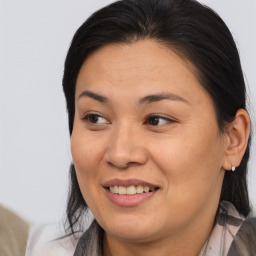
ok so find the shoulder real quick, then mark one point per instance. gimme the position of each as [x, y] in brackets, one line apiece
[50, 240]
[244, 242]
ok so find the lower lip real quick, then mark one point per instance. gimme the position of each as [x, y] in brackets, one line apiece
[129, 201]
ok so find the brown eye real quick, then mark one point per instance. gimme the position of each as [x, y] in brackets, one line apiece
[155, 120]
[95, 119]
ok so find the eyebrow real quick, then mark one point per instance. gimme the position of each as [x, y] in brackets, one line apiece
[162, 96]
[94, 96]
[147, 99]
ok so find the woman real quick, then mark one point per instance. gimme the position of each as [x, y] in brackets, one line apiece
[159, 135]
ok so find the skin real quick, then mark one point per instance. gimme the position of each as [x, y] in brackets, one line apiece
[182, 150]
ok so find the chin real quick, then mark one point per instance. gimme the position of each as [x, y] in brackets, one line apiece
[131, 230]
[132, 235]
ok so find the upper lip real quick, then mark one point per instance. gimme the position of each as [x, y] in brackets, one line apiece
[129, 182]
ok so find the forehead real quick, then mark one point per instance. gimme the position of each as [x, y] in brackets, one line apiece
[140, 68]
[143, 55]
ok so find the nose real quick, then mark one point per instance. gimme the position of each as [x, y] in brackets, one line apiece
[125, 149]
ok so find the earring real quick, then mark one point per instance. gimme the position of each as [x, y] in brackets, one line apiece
[233, 168]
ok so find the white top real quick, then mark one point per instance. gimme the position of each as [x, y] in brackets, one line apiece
[46, 240]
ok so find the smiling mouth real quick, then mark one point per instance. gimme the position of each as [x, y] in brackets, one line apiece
[131, 190]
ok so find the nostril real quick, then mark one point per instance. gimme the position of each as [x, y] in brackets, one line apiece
[123, 165]
[118, 165]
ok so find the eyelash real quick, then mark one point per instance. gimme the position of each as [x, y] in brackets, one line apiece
[166, 120]
[149, 120]
[87, 117]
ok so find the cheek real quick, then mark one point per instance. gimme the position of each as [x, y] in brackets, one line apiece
[191, 159]
[87, 153]
[86, 149]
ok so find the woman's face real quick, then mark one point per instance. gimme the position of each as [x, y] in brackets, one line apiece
[146, 145]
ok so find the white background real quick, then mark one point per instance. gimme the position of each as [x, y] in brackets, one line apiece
[34, 140]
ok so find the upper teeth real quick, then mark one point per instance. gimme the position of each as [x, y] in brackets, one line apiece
[131, 190]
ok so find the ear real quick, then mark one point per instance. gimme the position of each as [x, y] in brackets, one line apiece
[237, 133]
